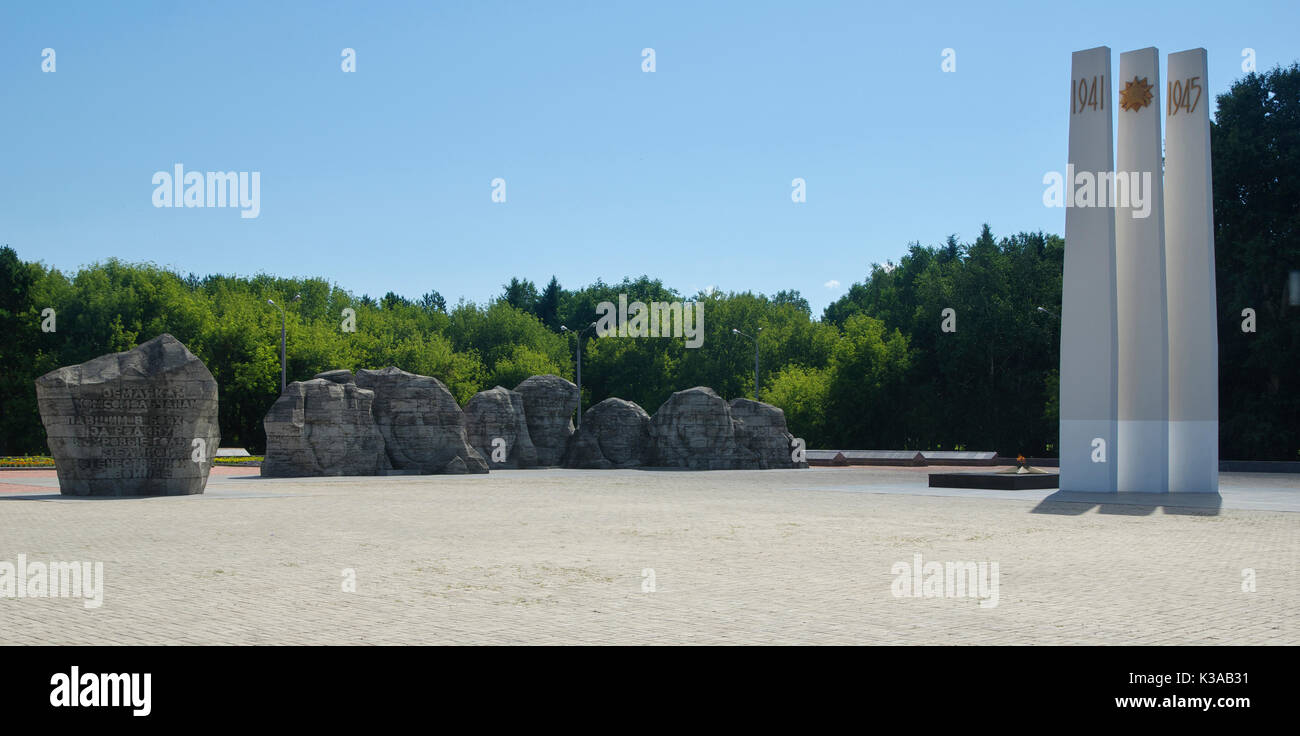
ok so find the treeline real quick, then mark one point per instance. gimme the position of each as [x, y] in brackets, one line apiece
[1255, 145]
[981, 376]
[844, 380]
[877, 370]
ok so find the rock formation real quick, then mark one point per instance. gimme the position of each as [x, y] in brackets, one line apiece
[762, 431]
[694, 429]
[391, 421]
[499, 414]
[342, 375]
[549, 403]
[614, 434]
[422, 426]
[323, 427]
[138, 423]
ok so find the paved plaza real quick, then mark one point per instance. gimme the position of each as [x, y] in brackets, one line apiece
[652, 557]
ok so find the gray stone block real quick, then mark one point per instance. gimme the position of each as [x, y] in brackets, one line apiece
[323, 427]
[549, 403]
[762, 430]
[125, 424]
[422, 426]
[614, 434]
[499, 413]
[694, 429]
[339, 376]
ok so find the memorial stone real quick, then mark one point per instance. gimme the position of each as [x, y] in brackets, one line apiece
[137, 423]
[498, 414]
[422, 426]
[614, 434]
[549, 403]
[323, 427]
[762, 430]
[694, 429]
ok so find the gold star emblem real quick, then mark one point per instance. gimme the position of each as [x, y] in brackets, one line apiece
[1135, 95]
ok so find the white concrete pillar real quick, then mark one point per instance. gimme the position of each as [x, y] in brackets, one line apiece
[1189, 240]
[1088, 329]
[1142, 430]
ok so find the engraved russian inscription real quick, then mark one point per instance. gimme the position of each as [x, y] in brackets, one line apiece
[127, 424]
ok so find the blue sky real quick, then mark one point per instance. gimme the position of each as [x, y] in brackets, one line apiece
[380, 180]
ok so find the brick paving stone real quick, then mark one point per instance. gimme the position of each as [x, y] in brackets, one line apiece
[556, 556]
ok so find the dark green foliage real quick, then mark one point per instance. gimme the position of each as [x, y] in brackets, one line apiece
[984, 386]
[1255, 144]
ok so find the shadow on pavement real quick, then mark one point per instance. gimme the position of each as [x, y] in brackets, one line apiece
[1074, 503]
[56, 495]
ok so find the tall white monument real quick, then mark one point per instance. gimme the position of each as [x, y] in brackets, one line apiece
[1088, 326]
[1142, 432]
[1189, 238]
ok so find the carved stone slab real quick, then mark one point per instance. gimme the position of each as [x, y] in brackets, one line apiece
[549, 403]
[763, 431]
[694, 429]
[614, 434]
[422, 425]
[323, 427]
[498, 414]
[126, 424]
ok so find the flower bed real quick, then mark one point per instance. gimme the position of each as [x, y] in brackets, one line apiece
[26, 463]
[40, 462]
[249, 460]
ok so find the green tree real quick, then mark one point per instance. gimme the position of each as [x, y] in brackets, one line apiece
[433, 301]
[983, 386]
[1255, 145]
[804, 395]
[548, 305]
[20, 333]
[496, 332]
[521, 294]
[867, 373]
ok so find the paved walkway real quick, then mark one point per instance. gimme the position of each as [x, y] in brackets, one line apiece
[562, 556]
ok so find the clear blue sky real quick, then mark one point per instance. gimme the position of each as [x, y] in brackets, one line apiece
[380, 180]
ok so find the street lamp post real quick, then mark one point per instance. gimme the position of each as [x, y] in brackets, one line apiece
[283, 369]
[755, 339]
[563, 328]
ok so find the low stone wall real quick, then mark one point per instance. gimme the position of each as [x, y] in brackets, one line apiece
[376, 423]
[391, 421]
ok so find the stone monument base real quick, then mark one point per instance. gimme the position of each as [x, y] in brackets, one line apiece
[995, 481]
